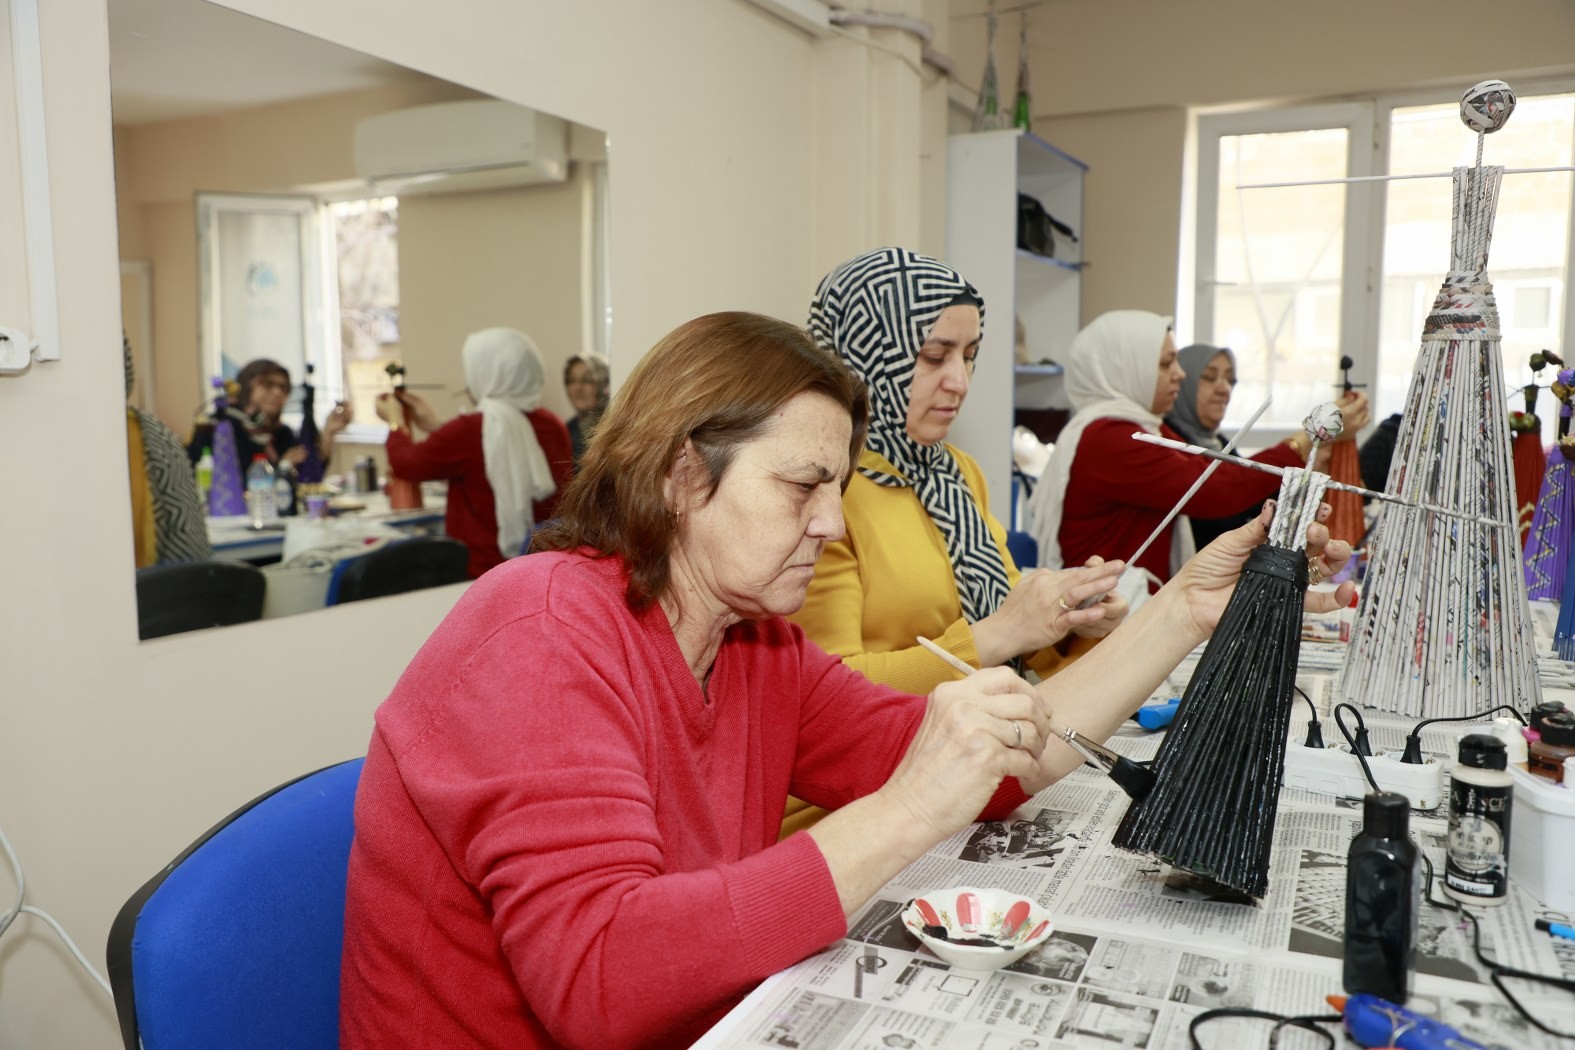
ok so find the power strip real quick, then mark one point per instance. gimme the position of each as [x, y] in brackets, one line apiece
[1336, 771]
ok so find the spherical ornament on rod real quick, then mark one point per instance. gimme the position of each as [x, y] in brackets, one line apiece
[1486, 107]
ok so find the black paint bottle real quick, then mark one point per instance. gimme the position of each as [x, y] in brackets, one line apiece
[1476, 866]
[1383, 891]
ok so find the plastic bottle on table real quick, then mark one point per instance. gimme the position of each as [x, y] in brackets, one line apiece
[284, 489]
[259, 492]
[1476, 863]
[204, 474]
[1383, 899]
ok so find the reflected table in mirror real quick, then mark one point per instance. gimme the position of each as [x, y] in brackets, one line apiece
[234, 538]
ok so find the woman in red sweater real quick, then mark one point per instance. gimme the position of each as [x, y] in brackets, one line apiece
[566, 827]
[506, 464]
[1103, 493]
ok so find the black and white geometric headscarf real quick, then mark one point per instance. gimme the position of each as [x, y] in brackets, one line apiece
[875, 312]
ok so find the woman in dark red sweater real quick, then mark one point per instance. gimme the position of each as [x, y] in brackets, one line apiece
[506, 464]
[1103, 493]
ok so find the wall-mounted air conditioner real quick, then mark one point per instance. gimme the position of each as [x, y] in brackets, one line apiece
[473, 144]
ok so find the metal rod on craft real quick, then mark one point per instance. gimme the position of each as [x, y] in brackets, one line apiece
[1253, 464]
[1387, 178]
[1230, 446]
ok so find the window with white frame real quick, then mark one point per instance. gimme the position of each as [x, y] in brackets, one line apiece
[1283, 270]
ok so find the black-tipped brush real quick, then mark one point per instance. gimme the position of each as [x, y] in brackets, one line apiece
[1130, 777]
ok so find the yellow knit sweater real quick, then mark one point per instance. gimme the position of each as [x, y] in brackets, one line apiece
[889, 580]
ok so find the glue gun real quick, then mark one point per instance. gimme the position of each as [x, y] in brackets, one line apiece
[1377, 1022]
[1157, 715]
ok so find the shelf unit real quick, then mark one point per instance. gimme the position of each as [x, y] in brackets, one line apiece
[984, 174]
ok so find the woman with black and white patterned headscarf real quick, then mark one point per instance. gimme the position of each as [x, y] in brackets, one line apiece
[923, 555]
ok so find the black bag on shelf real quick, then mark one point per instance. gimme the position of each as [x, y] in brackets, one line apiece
[1036, 227]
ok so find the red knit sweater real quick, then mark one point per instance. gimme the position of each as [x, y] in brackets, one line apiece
[1120, 489]
[561, 842]
[453, 453]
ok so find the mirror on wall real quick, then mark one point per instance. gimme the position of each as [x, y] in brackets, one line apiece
[285, 198]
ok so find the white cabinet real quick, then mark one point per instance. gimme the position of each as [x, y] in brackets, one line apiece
[984, 174]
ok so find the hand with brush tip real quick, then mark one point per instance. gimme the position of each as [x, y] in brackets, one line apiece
[1043, 608]
[1205, 583]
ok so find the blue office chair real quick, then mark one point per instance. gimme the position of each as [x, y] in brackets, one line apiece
[237, 942]
[397, 567]
[1023, 547]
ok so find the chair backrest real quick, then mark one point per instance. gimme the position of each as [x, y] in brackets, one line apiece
[188, 596]
[394, 568]
[1023, 547]
[237, 942]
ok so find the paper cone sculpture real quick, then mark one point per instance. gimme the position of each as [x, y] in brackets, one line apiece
[227, 492]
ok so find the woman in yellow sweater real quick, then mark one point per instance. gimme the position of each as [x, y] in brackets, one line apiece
[922, 554]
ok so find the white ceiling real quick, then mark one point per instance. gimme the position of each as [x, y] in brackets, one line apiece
[184, 58]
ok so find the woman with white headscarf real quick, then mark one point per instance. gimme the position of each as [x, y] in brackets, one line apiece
[1102, 493]
[506, 463]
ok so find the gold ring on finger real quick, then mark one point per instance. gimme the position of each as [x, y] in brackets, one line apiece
[1019, 727]
[1061, 601]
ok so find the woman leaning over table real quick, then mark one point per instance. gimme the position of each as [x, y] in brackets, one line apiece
[1103, 493]
[566, 825]
[922, 554]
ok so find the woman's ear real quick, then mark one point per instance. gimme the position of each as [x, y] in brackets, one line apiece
[678, 487]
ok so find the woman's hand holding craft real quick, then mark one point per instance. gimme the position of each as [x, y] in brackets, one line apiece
[1114, 605]
[1204, 585]
[975, 731]
[1357, 412]
[1042, 609]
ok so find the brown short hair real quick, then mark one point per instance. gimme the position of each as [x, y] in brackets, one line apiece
[253, 371]
[715, 381]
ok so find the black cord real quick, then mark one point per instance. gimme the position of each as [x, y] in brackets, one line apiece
[1309, 1022]
[1357, 742]
[1413, 743]
[1496, 971]
[1314, 727]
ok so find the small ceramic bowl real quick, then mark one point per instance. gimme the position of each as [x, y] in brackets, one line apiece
[977, 929]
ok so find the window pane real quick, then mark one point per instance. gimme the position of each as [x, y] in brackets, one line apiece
[1530, 236]
[366, 235]
[1278, 260]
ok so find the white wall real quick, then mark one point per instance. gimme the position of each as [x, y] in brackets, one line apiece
[114, 754]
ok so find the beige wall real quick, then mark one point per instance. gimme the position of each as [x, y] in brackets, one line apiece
[1112, 83]
[467, 260]
[113, 754]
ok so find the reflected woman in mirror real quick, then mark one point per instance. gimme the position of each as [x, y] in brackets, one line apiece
[167, 517]
[506, 463]
[264, 390]
[586, 379]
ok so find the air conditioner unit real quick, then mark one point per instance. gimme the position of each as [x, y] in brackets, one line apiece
[447, 147]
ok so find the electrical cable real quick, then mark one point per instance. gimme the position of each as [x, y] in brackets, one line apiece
[1413, 742]
[1497, 971]
[1308, 1022]
[20, 908]
[1314, 727]
[1360, 739]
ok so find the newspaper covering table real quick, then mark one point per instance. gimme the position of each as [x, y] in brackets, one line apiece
[1139, 949]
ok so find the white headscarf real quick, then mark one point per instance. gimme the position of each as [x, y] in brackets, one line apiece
[504, 373]
[1111, 372]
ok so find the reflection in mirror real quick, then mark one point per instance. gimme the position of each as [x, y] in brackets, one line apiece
[283, 198]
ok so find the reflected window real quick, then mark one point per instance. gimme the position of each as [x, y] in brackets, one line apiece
[366, 242]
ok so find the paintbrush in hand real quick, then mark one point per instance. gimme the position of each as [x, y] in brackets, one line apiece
[1130, 777]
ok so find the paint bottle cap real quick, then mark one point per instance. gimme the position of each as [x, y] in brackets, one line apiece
[1543, 710]
[1559, 730]
[1508, 730]
[1386, 814]
[1480, 751]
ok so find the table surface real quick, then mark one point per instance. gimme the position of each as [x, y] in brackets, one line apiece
[1140, 949]
[234, 539]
